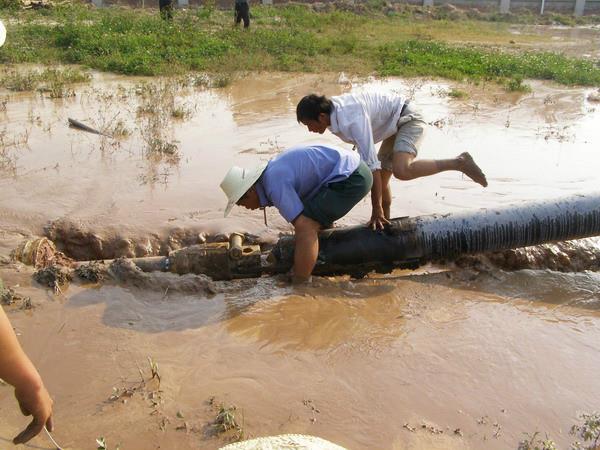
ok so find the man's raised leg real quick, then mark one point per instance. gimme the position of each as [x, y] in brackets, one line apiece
[407, 167]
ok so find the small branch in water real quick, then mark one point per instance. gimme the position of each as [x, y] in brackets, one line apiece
[81, 126]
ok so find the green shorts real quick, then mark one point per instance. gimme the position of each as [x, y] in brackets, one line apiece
[335, 200]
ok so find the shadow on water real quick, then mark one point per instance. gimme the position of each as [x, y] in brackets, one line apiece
[154, 311]
[574, 289]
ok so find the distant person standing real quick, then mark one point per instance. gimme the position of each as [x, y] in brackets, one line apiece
[242, 12]
[166, 9]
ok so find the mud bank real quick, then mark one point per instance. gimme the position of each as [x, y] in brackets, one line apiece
[569, 256]
[81, 244]
[84, 244]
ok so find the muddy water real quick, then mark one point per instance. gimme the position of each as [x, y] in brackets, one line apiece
[583, 41]
[478, 358]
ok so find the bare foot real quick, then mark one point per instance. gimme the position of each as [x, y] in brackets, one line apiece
[470, 169]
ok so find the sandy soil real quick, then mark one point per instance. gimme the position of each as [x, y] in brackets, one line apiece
[435, 359]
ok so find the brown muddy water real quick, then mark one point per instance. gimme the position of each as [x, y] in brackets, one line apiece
[579, 42]
[442, 358]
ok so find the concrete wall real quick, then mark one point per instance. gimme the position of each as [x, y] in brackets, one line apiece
[562, 6]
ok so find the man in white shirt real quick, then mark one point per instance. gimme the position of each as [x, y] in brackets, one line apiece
[363, 119]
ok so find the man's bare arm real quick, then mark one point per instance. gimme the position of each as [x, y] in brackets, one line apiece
[17, 370]
[378, 220]
[307, 247]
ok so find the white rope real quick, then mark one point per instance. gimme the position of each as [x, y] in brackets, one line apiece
[58, 447]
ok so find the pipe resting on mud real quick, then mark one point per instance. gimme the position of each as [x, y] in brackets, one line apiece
[411, 242]
[407, 242]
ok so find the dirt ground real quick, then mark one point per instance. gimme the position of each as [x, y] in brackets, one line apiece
[442, 358]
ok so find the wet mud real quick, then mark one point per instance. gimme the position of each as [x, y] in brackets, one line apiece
[465, 355]
[568, 256]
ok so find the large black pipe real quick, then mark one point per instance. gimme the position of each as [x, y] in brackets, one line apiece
[411, 242]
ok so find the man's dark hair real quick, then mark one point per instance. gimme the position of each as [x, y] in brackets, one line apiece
[311, 106]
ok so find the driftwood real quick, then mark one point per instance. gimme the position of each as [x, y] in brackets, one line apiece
[81, 126]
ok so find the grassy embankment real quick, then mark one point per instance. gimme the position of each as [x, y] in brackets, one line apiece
[286, 38]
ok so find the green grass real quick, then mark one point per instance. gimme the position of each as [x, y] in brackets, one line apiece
[516, 85]
[422, 58]
[457, 93]
[285, 38]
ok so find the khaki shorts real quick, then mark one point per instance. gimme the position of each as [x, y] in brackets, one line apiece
[411, 127]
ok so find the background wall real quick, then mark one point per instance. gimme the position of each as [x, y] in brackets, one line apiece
[562, 6]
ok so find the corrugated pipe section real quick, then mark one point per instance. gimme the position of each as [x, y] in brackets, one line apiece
[410, 242]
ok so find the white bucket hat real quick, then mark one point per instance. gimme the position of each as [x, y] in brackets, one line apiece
[2, 34]
[237, 182]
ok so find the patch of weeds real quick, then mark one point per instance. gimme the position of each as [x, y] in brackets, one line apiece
[154, 369]
[141, 389]
[157, 174]
[67, 76]
[516, 85]
[226, 421]
[15, 81]
[563, 19]
[147, 108]
[220, 81]
[8, 296]
[58, 89]
[9, 149]
[346, 44]
[14, 141]
[533, 442]
[204, 12]
[422, 58]
[156, 109]
[10, 4]
[54, 81]
[101, 442]
[200, 80]
[559, 134]
[102, 445]
[457, 93]
[272, 146]
[180, 113]
[55, 277]
[94, 272]
[121, 393]
[27, 304]
[588, 431]
[163, 149]
[119, 130]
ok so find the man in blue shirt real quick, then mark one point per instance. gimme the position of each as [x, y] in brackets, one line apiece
[311, 186]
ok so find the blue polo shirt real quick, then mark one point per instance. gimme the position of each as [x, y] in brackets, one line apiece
[297, 174]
